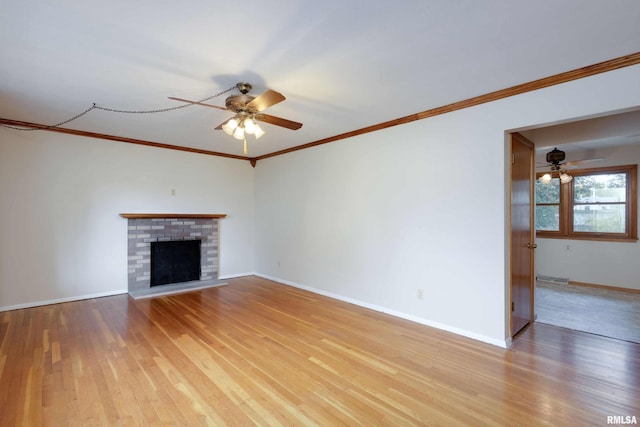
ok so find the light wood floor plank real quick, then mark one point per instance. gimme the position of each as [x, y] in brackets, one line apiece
[260, 353]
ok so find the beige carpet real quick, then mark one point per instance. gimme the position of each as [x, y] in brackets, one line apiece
[609, 313]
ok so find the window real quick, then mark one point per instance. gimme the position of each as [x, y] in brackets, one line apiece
[597, 204]
[548, 205]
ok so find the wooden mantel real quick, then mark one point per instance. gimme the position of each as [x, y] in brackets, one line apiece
[169, 215]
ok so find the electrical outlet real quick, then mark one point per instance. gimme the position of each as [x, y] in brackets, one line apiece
[567, 248]
[173, 191]
[420, 294]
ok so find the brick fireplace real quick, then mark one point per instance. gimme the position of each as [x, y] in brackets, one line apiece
[143, 229]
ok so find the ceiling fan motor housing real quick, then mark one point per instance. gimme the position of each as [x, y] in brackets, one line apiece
[555, 156]
[239, 103]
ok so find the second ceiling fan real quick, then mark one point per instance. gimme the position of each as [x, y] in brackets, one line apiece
[555, 161]
[248, 112]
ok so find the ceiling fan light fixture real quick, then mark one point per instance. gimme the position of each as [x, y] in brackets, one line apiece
[249, 126]
[258, 132]
[565, 178]
[230, 126]
[238, 133]
[546, 178]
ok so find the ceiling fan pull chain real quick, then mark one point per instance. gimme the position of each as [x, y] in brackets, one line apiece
[115, 110]
[77, 116]
[161, 110]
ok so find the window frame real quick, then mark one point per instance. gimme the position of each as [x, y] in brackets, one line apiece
[566, 207]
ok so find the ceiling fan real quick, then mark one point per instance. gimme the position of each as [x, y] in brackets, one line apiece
[555, 161]
[248, 111]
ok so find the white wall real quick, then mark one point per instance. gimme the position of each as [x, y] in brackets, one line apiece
[370, 219]
[61, 236]
[373, 218]
[602, 263]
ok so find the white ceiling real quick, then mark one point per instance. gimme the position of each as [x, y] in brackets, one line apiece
[588, 140]
[343, 65]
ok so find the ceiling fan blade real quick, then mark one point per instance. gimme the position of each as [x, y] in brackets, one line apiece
[580, 162]
[278, 121]
[266, 100]
[219, 127]
[198, 103]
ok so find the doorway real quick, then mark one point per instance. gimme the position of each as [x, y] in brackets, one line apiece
[586, 267]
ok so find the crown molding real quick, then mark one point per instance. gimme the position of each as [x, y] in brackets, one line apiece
[591, 70]
[169, 215]
[29, 125]
[579, 73]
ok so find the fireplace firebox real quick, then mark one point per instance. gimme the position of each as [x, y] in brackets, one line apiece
[175, 261]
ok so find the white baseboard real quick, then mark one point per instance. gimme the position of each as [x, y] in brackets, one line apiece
[60, 300]
[233, 276]
[97, 295]
[410, 317]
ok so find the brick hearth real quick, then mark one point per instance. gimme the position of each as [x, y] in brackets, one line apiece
[144, 229]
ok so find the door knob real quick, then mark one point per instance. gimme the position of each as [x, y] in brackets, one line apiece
[531, 245]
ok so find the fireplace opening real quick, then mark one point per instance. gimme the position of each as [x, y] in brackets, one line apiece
[175, 261]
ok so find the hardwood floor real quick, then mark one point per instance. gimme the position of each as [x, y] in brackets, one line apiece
[260, 353]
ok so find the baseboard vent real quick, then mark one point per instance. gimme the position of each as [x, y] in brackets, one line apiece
[556, 280]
